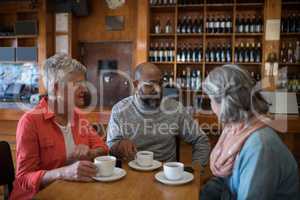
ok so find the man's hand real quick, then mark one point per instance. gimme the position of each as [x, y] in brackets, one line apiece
[124, 149]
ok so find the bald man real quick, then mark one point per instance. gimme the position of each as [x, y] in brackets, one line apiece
[146, 121]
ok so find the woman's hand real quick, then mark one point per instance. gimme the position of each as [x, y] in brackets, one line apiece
[79, 171]
[81, 152]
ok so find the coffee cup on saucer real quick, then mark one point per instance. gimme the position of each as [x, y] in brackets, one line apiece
[105, 165]
[173, 170]
[144, 158]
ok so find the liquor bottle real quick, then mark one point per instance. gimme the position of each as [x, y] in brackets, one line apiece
[247, 53]
[259, 25]
[298, 23]
[223, 53]
[198, 80]
[258, 54]
[168, 27]
[157, 27]
[189, 53]
[167, 56]
[228, 53]
[236, 53]
[183, 79]
[165, 79]
[171, 80]
[210, 24]
[179, 53]
[216, 25]
[252, 27]
[179, 25]
[252, 53]
[290, 53]
[188, 78]
[241, 53]
[212, 55]
[293, 23]
[195, 26]
[172, 52]
[228, 25]
[207, 53]
[239, 26]
[161, 53]
[151, 51]
[283, 53]
[247, 25]
[184, 25]
[222, 28]
[218, 53]
[155, 53]
[297, 52]
[184, 53]
[189, 25]
[200, 25]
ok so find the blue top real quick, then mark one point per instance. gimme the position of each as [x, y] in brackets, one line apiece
[265, 169]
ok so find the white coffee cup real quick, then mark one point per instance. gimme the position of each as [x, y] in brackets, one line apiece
[173, 170]
[105, 165]
[144, 158]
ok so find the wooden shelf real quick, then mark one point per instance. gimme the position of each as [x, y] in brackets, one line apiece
[217, 63]
[220, 5]
[189, 34]
[189, 63]
[248, 34]
[163, 63]
[250, 4]
[162, 35]
[248, 63]
[190, 5]
[219, 34]
[290, 64]
[291, 3]
[18, 36]
[290, 34]
[17, 62]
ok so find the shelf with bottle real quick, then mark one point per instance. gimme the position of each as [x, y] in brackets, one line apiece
[219, 24]
[162, 53]
[189, 79]
[248, 54]
[189, 53]
[290, 23]
[162, 4]
[162, 26]
[218, 52]
[189, 25]
[290, 52]
[250, 24]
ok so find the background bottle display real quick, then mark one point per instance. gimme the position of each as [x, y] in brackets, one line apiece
[249, 24]
[218, 52]
[218, 24]
[188, 24]
[290, 52]
[248, 53]
[189, 79]
[161, 52]
[290, 23]
[167, 28]
[189, 53]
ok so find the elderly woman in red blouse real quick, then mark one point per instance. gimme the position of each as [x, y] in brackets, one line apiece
[53, 140]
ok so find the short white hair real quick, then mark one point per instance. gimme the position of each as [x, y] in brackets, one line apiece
[57, 67]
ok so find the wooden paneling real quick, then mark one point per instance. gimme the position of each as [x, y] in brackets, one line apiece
[142, 32]
[92, 27]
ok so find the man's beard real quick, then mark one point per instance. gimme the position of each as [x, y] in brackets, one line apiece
[151, 101]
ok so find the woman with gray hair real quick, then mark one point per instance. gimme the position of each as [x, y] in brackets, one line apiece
[54, 141]
[249, 160]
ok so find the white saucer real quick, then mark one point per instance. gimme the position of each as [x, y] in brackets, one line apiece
[156, 164]
[118, 174]
[187, 177]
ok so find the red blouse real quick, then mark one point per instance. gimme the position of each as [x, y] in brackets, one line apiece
[41, 147]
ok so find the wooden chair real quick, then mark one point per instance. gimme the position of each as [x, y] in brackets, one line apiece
[7, 172]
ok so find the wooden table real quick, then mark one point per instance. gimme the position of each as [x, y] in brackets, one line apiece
[135, 185]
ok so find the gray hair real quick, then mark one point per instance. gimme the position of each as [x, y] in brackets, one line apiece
[233, 88]
[57, 67]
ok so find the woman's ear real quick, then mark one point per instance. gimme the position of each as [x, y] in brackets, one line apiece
[135, 83]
